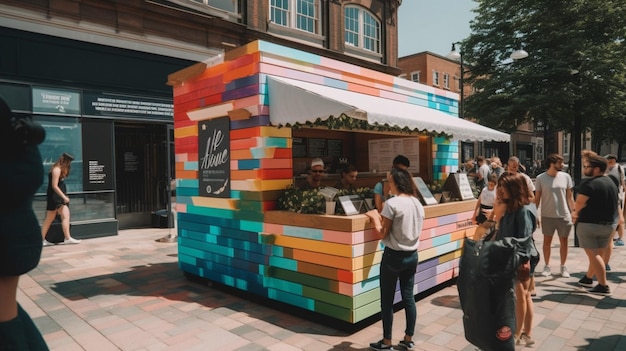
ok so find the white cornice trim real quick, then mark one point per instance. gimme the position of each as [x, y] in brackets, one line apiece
[30, 21]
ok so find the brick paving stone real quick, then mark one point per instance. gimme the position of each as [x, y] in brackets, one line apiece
[108, 292]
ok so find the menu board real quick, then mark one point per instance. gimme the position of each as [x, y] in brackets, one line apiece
[459, 187]
[335, 147]
[214, 157]
[383, 151]
[424, 194]
[298, 147]
[316, 147]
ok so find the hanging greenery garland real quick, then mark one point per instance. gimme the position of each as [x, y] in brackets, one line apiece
[347, 123]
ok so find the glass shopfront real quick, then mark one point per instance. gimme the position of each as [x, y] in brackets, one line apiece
[118, 177]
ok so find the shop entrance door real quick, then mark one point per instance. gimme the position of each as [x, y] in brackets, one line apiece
[141, 154]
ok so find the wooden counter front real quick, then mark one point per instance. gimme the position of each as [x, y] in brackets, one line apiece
[333, 261]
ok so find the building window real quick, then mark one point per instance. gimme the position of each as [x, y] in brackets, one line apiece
[435, 78]
[446, 81]
[415, 76]
[299, 14]
[226, 5]
[566, 144]
[362, 29]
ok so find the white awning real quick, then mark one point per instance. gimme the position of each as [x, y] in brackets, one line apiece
[294, 101]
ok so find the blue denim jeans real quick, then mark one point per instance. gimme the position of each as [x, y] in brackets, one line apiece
[397, 265]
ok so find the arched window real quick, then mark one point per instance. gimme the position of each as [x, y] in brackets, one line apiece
[299, 14]
[362, 29]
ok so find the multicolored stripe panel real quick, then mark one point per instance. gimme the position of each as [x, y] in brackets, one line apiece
[326, 264]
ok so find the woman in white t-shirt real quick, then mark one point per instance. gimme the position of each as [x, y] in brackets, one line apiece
[399, 225]
[486, 200]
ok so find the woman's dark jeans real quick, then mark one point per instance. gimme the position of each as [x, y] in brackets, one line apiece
[397, 265]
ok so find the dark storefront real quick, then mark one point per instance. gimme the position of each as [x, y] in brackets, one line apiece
[108, 107]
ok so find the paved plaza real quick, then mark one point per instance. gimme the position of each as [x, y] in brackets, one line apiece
[126, 293]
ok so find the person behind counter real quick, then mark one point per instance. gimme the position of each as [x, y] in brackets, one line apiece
[381, 189]
[316, 174]
[347, 178]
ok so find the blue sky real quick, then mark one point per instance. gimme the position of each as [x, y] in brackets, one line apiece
[433, 25]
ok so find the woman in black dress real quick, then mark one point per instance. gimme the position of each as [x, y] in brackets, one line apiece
[57, 201]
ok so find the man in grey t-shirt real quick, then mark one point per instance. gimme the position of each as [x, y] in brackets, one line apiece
[615, 169]
[553, 192]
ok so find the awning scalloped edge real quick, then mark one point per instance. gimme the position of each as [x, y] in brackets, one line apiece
[344, 122]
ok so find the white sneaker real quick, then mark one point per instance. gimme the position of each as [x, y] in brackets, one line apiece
[546, 271]
[47, 243]
[564, 272]
[71, 241]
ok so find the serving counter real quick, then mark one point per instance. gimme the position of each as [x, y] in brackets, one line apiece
[323, 263]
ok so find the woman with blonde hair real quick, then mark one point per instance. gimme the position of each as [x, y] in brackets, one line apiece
[57, 201]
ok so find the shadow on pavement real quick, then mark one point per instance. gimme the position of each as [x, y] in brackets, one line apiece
[167, 281]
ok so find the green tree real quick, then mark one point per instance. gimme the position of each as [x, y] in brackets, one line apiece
[575, 71]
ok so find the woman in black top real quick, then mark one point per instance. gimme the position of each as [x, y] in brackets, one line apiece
[57, 201]
[21, 176]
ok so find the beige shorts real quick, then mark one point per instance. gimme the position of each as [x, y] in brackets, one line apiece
[562, 226]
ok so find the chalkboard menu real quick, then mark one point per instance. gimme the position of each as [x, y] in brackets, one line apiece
[424, 194]
[298, 147]
[459, 187]
[335, 147]
[316, 147]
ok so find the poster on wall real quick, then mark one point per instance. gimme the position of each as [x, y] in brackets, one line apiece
[97, 155]
[214, 157]
[383, 151]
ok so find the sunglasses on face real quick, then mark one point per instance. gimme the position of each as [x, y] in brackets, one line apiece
[318, 171]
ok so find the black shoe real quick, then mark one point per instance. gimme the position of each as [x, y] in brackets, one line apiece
[407, 345]
[586, 282]
[380, 346]
[601, 290]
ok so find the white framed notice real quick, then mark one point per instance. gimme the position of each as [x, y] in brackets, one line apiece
[383, 151]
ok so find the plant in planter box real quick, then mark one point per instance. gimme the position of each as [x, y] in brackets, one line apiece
[302, 201]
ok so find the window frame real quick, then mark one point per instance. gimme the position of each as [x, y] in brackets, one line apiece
[363, 16]
[435, 78]
[292, 17]
[204, 7]
[446, 81]
[415, 73]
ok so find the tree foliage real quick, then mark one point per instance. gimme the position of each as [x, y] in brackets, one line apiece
[576, 64]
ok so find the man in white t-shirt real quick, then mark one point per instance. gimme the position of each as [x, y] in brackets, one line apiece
[555, 196]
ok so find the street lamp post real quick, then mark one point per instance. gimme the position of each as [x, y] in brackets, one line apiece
[458, 56]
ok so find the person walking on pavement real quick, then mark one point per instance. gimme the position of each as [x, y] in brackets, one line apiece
[57, 201]
[596, 215]
[399, 226]
[554, 195]
[616, 170]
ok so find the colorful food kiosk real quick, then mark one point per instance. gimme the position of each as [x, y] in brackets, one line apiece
[246, 127]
